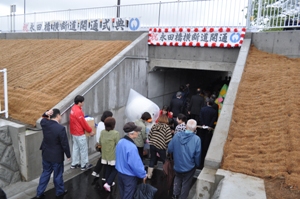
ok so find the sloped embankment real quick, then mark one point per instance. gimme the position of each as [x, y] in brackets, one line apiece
[42, 72]
[264, 136]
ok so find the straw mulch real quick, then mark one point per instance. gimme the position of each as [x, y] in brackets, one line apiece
[264, 135]
[42, 72]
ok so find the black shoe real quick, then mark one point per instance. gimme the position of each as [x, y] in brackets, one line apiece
[41, 196]
[86, 167]
[62, 195]
[74, 166]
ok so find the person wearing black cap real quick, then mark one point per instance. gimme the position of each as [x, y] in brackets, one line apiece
[128, 162]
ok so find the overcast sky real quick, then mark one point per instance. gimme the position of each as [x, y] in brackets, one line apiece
[50, 5]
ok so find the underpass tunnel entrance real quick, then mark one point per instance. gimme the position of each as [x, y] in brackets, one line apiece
[163, 83]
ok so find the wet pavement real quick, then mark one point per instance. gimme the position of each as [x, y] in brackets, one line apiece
[86, 186]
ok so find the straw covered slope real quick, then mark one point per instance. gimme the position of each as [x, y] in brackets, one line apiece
[264, 135]
[42, 72]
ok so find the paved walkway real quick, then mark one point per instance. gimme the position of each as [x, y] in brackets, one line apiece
[82, 185]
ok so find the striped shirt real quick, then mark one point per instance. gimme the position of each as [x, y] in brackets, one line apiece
[160, 135]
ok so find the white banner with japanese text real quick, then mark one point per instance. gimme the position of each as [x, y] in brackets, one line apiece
[201, 37]
[95, 25]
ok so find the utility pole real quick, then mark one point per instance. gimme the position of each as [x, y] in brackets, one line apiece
[24, 11]
[118, 8]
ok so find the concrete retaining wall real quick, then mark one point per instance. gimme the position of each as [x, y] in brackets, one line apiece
[75, 35]
[283, 43]
[107, 89]
[206, 180]
[194, 53]
[9, 153]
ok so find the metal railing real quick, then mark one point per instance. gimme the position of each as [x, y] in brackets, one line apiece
[273, 14]
[162, 14]
[5, 93]
[257, 15]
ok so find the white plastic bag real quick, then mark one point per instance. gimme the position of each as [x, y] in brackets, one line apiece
[137, 104]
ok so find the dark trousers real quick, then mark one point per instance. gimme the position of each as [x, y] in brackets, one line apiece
[110, 174]
[205, 136]
[127, 185]
[2, 194]
[182, 183]
[195, 117]
[98, 166]
[153, 158]
[48, 168]
[141, 150]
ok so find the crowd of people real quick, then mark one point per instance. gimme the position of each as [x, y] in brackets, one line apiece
[182, 131]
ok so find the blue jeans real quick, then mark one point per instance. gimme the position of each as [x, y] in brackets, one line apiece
[80, 150]
[127, 185]
[48, 168]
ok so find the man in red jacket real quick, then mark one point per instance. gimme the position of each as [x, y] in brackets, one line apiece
[78, 126]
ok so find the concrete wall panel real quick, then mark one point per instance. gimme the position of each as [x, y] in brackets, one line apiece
[264, 42]
[156, 82]
[194, 53]
[158, 101]
[285, 43]
[230, 55]
[131, 36]
[34, 157]
[2, 35]
[70, 35]
[172, 81]
[50, 35]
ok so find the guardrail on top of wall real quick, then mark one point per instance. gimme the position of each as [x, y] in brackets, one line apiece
[215, 13]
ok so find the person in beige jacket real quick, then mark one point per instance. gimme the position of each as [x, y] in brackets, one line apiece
[140, 140]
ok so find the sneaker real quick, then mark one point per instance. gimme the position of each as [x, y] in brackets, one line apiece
[75, 166]
[106, 187]
[86, 167]
[95, 174]
[103, 179]
[113, 184]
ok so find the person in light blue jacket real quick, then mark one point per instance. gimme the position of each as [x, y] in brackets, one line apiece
[186, 149]
[128, 162]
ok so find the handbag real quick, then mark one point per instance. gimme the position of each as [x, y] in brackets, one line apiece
[144, 191]
[98, 147]
[168, 169]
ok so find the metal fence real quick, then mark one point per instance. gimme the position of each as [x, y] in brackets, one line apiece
[257, 15]
[4, 93]
[162, 14]
[273, 14]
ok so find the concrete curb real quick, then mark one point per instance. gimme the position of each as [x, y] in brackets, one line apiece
[206, 182]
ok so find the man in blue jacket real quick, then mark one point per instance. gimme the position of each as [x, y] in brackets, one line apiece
[54, 145]
[128, 162]
[185, 147]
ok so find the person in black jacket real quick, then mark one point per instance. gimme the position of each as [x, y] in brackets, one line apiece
[54, 145]
[176, 107]
[197, 102]
[208, 116]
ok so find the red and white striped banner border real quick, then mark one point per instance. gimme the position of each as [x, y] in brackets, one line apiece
[223, 37]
